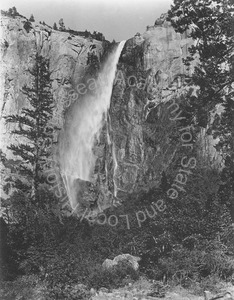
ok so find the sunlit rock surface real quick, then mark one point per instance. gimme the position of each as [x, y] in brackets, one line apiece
[68, 61]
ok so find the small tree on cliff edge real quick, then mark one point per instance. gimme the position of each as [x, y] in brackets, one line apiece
[32, 19]
[211, 25]
[61, 25]
[30, 127]
[55, 26]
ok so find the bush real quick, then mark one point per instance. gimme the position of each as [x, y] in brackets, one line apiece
[114, 278]
[25, 287]
[68, 291]
[27, 26]
[208, 258]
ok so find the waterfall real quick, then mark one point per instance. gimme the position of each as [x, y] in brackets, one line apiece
[77, 160]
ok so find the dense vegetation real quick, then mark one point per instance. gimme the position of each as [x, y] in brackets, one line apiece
[191, 243]
[211, 25]
[11, 12]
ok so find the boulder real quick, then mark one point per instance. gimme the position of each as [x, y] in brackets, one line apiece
[131, 260]
[108, 264]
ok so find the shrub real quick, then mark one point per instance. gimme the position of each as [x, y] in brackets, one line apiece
[114, 278]
[208, 258]
[25, 287]
[27, 26]
[67, 291]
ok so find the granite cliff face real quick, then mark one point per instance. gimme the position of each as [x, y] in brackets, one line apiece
[152, 70]
[139, 124]
[68, 62]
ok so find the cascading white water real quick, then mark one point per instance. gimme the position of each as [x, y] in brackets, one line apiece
[77, 159]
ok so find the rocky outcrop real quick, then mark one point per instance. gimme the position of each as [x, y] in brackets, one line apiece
[151, 73]
[68, 55]
[125, 259]
[140, 122]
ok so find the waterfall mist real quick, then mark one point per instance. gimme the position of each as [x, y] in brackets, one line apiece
[77, 158]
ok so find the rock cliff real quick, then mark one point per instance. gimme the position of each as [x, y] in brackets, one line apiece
[68, 62]
[150, 74]
[153, 72]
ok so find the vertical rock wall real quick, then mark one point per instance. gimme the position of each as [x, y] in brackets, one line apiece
[136, 143]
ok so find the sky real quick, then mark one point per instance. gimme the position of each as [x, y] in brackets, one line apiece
[116, 19]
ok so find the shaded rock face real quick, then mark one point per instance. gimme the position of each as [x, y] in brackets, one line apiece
[150, 74]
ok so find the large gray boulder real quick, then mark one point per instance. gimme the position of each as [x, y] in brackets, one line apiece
[131, 260]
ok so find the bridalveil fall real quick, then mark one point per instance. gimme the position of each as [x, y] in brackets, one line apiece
[82, 132]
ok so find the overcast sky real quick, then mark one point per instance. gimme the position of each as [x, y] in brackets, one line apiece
[116, 19]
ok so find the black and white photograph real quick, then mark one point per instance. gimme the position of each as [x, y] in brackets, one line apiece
[117, 150]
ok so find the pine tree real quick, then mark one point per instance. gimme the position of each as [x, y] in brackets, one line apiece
[211, 25]
[225, 131]
[14, 11]
[55, 26]
[31, 19]
[32, 127]
[10, 11]
[61, 25]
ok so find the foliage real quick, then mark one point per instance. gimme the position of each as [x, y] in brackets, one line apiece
[98, 36]
[61, 25]
[87, 34]
[27, 26]
[73, 292]
[93, 63]
[55, 26]
[113, 278]
[29, 204]
[25, 287]
[31, 126]
[186, 243]
[210, 24]
[207, 258]
[31, 19]
[12, 12]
